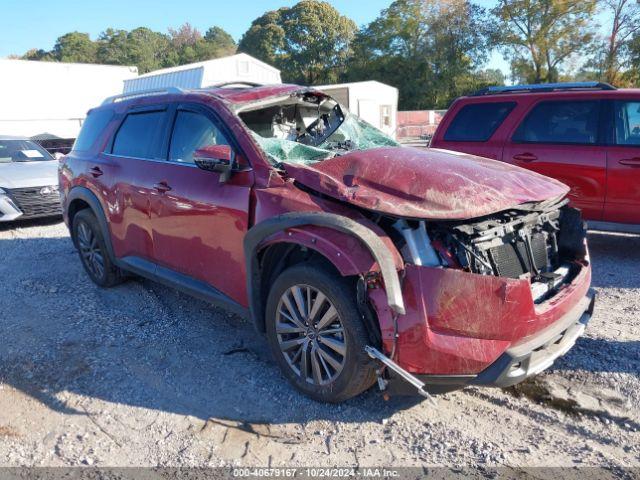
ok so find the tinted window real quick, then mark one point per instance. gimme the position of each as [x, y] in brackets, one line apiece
[477, 122]
[93, 125]
[561, 122]
[627, 118]
[140, 135]
[191, 132]
[22, 151]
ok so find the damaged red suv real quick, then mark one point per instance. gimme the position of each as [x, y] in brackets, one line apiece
[358, 259]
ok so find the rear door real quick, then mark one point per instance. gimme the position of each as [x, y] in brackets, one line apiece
[199, 223]
[622, 203]
[134, 152]
[563, 139]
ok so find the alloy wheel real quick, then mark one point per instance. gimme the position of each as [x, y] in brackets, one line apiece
[90, 250]
[310, 334]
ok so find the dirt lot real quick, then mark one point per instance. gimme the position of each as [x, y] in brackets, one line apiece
[142, 375]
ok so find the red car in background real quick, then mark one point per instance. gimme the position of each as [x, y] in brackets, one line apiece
[357, 258]
[587, 135]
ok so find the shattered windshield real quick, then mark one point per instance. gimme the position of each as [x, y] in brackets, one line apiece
[310, 128]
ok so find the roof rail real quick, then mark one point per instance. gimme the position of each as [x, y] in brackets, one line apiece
[142, 93]
[240, 82]
[543, 88]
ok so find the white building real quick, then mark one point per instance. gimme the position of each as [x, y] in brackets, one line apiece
[374, 102]
[235, 68]
[53, 98]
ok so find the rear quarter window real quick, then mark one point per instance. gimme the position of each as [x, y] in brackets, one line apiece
[477, 122]
[91, 129]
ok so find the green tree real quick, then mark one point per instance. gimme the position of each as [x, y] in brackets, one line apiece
[113, 47]
[188, 45]
[429, 49]
[223, 44]
[308, 42]
[539, 36]
[148, 50]
[265, 38]
[38, 54]
[75, 47]
[613, 54]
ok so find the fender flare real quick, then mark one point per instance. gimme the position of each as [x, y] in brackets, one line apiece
[365, 235]
[87, 196]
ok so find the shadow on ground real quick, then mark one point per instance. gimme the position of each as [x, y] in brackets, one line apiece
[35, 222]
[620, 250]
[144, 345]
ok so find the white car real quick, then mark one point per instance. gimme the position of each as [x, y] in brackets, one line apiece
[28, 180]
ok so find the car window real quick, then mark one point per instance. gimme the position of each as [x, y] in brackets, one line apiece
[561, 122]
[93, 125]
[22, 151]
[192, 131]
[140, 135]
[476, 122]
[627, 118]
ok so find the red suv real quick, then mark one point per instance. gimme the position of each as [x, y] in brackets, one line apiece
[586, 135]
[359, 259]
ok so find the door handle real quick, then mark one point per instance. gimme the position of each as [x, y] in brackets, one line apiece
[525, 157]
[95, 171]
[162, 187]
[630, 162]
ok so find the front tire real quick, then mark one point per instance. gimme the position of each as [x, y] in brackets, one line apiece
[93, 252]
[316, 333]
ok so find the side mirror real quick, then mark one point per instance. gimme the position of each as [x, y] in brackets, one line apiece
[58, 155]
[215, 158]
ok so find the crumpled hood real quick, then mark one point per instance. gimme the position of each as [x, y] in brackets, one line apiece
[425, 183]
[28, 174]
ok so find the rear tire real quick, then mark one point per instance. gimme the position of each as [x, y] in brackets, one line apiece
[317, 335]
[93, 252]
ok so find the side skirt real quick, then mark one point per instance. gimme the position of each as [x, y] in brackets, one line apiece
[179, 281]
[613, 227]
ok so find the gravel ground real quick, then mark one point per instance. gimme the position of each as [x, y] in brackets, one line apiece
[141, 375]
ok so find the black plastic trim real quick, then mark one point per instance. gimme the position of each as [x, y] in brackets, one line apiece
[370, 239]
[543, 88]
[179, 281]
[86, 195]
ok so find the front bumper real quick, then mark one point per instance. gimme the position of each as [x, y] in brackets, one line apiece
[26, 203]
[538, 353]
[526, 359]
[8, 209]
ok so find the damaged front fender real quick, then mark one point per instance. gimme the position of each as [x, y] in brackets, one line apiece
[370, 239]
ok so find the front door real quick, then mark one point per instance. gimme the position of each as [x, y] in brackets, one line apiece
[622, 204]
[562, 140]
[199, 223]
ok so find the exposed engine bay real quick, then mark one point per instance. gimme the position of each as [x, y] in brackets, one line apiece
[308, 127]
[540, 243]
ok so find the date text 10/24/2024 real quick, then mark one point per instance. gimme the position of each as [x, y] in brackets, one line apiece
[315, 472]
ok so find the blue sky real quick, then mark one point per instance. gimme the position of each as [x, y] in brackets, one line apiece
[37, 23]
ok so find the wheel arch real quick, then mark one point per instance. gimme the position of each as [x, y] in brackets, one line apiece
[81, 198]
[290, 231]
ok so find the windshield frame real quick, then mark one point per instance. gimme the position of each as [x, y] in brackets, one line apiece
[339, 110]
